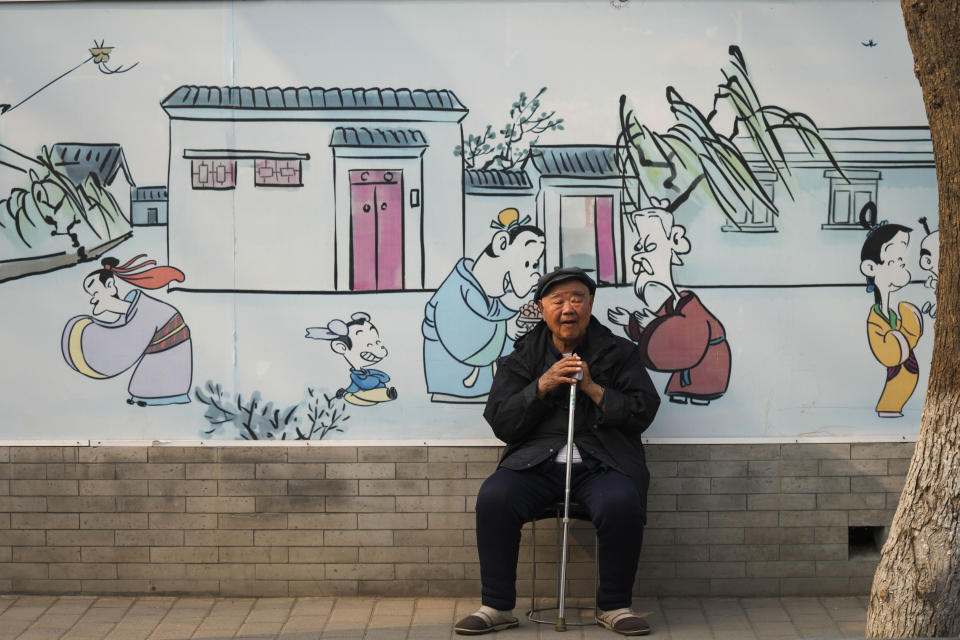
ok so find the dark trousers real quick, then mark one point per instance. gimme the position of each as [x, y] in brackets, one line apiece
[508, 499]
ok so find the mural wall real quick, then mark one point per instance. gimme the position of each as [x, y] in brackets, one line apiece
[289, 221]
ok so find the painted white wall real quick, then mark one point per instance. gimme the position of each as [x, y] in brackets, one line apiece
[442, 202]
[250, 237]
[297, 238]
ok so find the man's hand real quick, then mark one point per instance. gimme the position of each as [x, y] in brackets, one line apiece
[588, 386]
[563, 372]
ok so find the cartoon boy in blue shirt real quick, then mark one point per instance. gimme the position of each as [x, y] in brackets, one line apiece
[358, 341]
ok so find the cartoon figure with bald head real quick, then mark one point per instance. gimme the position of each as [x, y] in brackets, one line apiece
[930, 261]
[675, 331]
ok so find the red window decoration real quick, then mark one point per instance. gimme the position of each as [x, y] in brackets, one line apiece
[277, 173]
[214, 174]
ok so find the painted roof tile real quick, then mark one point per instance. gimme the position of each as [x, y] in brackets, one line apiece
[592, 161]
[377, 137]
[79, 160]
[311, 98]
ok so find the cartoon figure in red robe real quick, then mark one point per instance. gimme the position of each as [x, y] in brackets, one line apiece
[675, 331]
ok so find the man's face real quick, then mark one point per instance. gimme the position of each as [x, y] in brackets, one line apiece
[566, 308]
[522, 261]
[102, 294]
[658, 247]
[367, 349]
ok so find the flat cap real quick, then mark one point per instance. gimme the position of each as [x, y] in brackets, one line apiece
[559, 275]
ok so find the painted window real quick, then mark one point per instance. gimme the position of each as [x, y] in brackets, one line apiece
[849, 192]
[586, 235]
[277, 173]
[757, 218]
[214, 174]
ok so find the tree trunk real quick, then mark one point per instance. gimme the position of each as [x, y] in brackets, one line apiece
[916, 589]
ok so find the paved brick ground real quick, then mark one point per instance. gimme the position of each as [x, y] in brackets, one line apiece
[155, 618]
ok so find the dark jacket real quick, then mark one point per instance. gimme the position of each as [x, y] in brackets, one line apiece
[535, 429]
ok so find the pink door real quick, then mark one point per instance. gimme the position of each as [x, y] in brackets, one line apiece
[586, 235]
[376, 234]
[606, 271]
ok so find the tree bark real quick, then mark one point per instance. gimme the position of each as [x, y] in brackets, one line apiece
[916, 589]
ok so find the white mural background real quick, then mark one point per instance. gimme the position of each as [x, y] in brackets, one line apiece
[801, 363]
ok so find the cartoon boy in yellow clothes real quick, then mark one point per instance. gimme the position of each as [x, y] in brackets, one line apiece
[892, 334]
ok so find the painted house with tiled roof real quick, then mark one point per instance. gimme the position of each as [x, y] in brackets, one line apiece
[313, 189]
[106, 163]
[578, 206]
[148, 206]
[79, 160]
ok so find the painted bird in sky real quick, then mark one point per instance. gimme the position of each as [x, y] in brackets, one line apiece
[869, 43]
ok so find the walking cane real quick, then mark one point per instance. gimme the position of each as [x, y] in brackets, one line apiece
[561, 620]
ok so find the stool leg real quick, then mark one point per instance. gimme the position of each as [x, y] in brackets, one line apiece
[533, 569]
[596, 573]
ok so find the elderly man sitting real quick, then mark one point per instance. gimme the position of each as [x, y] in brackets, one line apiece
[528, 410]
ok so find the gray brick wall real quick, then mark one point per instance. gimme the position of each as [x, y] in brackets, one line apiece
[757, 519]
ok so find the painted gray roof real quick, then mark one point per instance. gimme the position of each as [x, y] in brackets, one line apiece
[78, 160]
[150, 194]
[377, 137]
[275, 98]
[854, 147]
[589, 161]
[494, 180]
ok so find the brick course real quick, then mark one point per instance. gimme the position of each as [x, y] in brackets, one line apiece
[724, 520]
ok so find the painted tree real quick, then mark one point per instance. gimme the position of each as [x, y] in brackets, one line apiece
[512, 151]
[693, 155]
[53, 214]
[916, 588]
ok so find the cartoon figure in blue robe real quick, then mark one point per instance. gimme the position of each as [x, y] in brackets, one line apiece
[136, 331]
[358, 341]
[474, 316]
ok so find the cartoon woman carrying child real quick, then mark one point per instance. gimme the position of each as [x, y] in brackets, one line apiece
[892, 334]
[137, 331]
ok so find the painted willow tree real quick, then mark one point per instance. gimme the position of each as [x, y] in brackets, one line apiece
[916, 589]
[693, 157]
